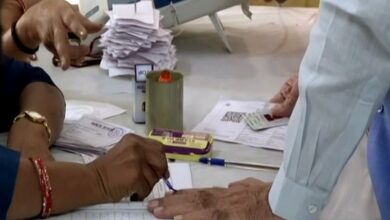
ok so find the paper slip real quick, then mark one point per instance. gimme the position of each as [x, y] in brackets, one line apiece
[75, 109]
[144, 13]
[136, 38]
[180, 179]
[226, 122]
[90, 135]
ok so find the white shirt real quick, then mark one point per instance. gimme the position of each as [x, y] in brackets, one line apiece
[343, 78]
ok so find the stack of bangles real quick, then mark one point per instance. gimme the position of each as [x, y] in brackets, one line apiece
[44, 183]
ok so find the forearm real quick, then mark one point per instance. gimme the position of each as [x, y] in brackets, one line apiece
[48, 101]
[73, 186]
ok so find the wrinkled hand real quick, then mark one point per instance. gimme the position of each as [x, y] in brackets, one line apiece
[286, 98]
[244, 200]
[133, 166]
[50, 22]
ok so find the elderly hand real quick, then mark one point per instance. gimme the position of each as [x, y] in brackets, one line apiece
[244, 200]
[286, 98]
[50, 22]
[132, 167]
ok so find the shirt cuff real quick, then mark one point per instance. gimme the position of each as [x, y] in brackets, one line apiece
[291, 200]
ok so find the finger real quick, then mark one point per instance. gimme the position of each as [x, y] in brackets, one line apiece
[278, 98]
[282, 110]
[142, 189]
[245, 182]
[210, 214]
[90, 27]
[75, 7]
[61, 45]
[165, 212]
[78, 52]
[74, 23]
[156, 158]
[150, 176]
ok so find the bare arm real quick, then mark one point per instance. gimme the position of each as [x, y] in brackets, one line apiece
[134, 165]
[31, 138]
[67, 193]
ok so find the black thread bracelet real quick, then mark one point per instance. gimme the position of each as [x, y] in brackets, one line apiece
[19, 44]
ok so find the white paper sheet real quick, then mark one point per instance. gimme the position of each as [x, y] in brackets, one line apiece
[226, 122]
[180, 179]
[75, 109]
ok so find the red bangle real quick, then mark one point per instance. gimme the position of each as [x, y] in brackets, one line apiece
[44, 183]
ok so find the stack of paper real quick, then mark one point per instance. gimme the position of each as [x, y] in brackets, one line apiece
[90, 136]
[134, 37]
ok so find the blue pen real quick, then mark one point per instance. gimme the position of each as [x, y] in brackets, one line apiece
[225, 163]
[169, 185]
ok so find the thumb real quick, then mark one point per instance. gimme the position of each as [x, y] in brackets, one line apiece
[90, 26]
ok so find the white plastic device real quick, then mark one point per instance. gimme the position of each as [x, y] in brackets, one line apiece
[141, 70]
[94, 10]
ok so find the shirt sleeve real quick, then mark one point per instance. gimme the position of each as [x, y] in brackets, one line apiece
[343, 78]
[14, 77]
[9, 165]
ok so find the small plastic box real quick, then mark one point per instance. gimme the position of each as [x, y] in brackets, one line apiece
[183, 145]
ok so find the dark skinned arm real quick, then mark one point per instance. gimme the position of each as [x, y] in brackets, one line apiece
[30, 138]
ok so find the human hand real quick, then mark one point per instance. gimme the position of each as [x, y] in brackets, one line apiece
[132, 167]
[50, 22]
[286, 98]
[244, 200]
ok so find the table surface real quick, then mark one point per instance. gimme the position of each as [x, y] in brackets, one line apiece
[266, 51]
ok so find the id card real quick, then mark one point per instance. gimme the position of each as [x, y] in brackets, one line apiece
[258, 121]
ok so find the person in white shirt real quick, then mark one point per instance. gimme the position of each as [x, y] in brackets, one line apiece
[343, 79]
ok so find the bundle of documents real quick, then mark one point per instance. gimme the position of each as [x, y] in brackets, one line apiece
[134, 37]
[226, 122]
[90, 136]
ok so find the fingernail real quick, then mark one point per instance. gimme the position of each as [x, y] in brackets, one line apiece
[179, 217]
[158, 210]
[153, 204]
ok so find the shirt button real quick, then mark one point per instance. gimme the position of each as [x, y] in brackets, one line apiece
[380, 110]
[312, 209]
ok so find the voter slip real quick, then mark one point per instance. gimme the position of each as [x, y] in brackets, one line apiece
[258, 121]
[183, 145]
